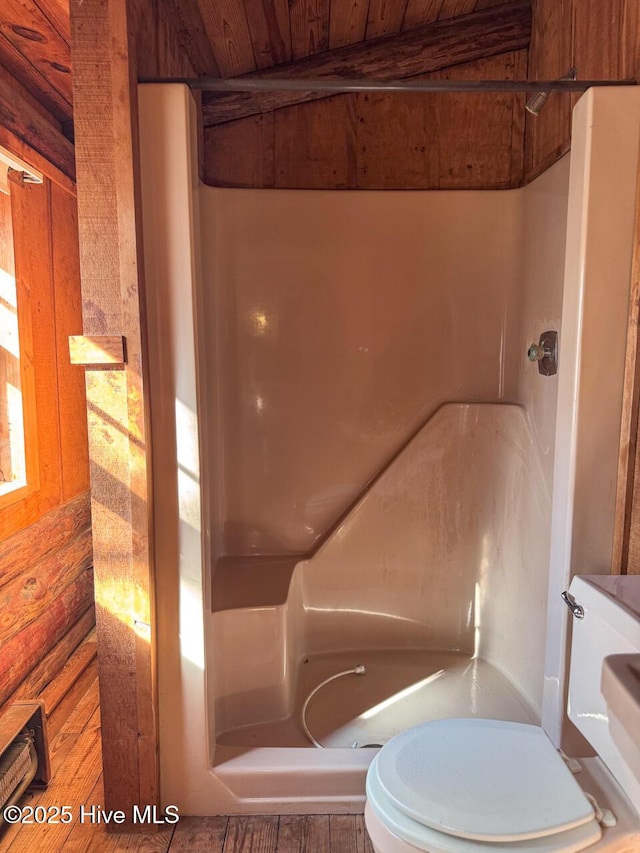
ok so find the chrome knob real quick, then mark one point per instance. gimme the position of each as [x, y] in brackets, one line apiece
[545, 352]
[537, 353]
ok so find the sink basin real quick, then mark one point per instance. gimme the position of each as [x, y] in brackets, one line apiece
[620, 687]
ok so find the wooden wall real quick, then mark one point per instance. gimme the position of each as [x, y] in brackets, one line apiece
[600, 38]
[46, 579]
[381, 141]
[46, 598]
[435, 141]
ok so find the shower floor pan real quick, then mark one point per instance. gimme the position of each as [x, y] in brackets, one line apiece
[274, 762]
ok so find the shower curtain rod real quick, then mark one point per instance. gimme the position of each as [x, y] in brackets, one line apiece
[250, 85]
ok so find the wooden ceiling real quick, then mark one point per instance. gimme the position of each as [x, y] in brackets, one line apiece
[35, 47]
[424, 49]
[250, 35]
[222, 37]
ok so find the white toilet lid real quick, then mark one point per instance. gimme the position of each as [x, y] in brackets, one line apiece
[424, 838]
[485, 780]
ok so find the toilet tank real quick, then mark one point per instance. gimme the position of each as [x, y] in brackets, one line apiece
[611, 626]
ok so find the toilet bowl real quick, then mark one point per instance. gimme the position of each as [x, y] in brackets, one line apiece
[474, 785]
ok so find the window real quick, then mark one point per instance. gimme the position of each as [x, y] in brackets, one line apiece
[13, 472]
[16, 395]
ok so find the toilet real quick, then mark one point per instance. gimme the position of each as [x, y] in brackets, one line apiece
[472, 785]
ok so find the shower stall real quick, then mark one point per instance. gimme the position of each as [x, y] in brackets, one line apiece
[357, 466]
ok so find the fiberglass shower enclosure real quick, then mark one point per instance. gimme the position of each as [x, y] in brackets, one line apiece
[354, 462]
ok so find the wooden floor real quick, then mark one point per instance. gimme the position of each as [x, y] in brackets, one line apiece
[77, 780]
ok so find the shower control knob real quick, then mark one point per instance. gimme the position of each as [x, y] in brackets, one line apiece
[537, 353]
[545, 353]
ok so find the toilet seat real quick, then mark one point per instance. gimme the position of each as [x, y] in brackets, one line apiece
[455, 785]
[420, 837]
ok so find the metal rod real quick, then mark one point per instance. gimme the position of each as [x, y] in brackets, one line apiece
[258, 84]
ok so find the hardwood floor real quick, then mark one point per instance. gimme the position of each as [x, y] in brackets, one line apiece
[77, 780]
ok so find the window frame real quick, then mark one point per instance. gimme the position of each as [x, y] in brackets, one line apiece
[19, 173]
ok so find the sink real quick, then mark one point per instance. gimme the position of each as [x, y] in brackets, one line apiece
[620, 687]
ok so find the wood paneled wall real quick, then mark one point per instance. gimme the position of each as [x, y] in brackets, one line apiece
[435, 141]
[600, 39]
[46, 579]
[381, 141]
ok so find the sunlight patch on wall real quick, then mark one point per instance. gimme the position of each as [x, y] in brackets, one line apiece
[191, 624]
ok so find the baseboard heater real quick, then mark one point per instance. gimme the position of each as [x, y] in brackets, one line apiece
[24, 752]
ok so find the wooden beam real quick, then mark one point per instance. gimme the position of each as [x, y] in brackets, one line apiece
[109, 40]
[482, 34]
[21, 115]
[626, 534]
[65, 256]
[97, 349]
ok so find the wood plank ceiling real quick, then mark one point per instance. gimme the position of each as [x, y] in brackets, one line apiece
[35, 47]
[297, 37]
[243, 35]
[424, 49]
[257, 34]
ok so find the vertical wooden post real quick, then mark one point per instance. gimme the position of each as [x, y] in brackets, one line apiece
[626, 544]
[105, 114]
